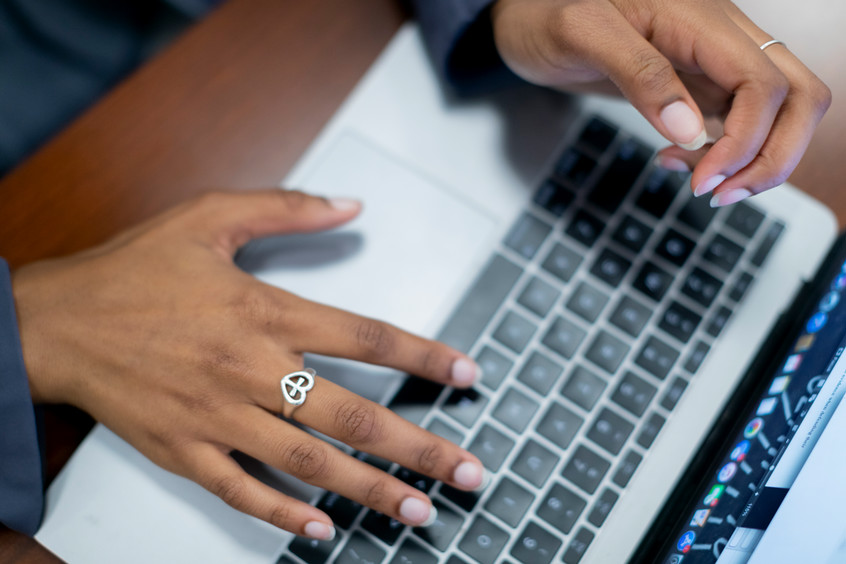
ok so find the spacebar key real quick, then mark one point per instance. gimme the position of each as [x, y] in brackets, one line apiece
[480, 303]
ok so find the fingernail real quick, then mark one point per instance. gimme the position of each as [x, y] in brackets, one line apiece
[709, 184]
[472, 476]
[465, 372]
[418, 512]
[729, 197]
[319, 531]
[344, 204]
[683, 125]
[670, 163]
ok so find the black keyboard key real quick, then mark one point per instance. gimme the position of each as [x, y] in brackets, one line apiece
[509, 501]
[313, 551]
[696, 357]
[718, 321]
[674, 393]
[538, 296]
[652, 281]
[535, 545]
[659, 191]
[585, 228]
[745, 219]
[583, 387]
[495, 367]
[767, 244]
[341, 510]
[610, 267]
[559, 425]
[578, 546]
[633, 394]
[360, 550]
[679, 321]
[540, 373]
[722, 252]
[602, 507]
[561, 508]
[626, 468]
[741, 285]
[632, 234]
[617, 180]
[697, 213]
[607, 351]
[463, 499]
[480, 303]
[465, 405]
[527, 235]
[440, 533]
[483, 541]
[657, 357]
[534, 463]
[574, 167]
[587, 302]
[564, 337]
[413, 401]
[675, 247]
[598, 135]
[650, 429]
[515, 409]
[701, 287]
[456, 560]
[630, 316]
[610, 431]
[514, 331]
[445, 431]
[285, 559]
[553, 197]
[562, 262]
[415, 479]
[491, 447]
[410, 552]
[382, 527]
[586, 469]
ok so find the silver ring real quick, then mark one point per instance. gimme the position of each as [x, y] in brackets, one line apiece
[296, 384]
[772, 42]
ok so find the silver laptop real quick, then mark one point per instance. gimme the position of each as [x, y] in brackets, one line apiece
[618, 321]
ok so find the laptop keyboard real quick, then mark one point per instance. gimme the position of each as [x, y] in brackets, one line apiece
[600, 306]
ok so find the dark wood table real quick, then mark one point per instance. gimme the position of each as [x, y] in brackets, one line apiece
[235, 101]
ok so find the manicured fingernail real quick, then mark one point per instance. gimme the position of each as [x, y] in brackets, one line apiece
[709, 184]
[344, 204]
[683, 125]
[472, 476]
[418, 512]
[729, 197]
[671, 163]
[465, 372]
[319, 531]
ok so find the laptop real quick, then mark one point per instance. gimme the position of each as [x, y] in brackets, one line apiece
[649, 363]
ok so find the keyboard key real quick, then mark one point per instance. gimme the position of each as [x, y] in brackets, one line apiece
[564, 337]
[767, 244]
[285, 559]
[456, 560]
[586, 469]
[514, 410]
[514, 331]
[491, 447]
[509, 502]
[679, 321]
[535, 545]
[701, 287]
[717, 321]
[633, 394]
[607, 351]
[657, 357]
[632, 234]
[630, 316]
[440, 533]
[559, 425]
[495, 367]
[483, 541]
[534, 463]
[610, 431]
[480, 303]
[741, 285]
[341, 510]
[313, 551]
[626, 468]
[697, 213]
[463, 499]
[562, 262]
[610, 267]
[360, 550]
[465, 405]
[745, 219]
[598, 135]
[675, 247]
[574, 167]
[445, 431]
[415, 479]
[585, 228]
[583, 387]
[382, 527]
[553, 197]
[578, 546]
[696, 357]
[602, 507]
[538, 296]
[650, 429]
[527, 235]
[723, 253]
[652, 281]
[587, 302]
[540, 373]
[673, 394]
[659, 190]
[410, 552]
[617, 180]
[561, 508]
[413, 401]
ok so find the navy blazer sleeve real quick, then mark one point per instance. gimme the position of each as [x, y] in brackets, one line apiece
[21, 484]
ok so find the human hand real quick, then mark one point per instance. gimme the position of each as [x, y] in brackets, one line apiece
[675, 60]
[160, 337]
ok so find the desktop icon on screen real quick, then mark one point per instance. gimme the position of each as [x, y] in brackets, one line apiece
[686, 541]
[740, 451]
[767, 406]
[753, 428]
[700, 517]
[713, 496]
[779, 384]
[804, 343]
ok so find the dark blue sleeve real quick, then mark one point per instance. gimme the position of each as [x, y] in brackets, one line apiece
[459, 36]
[21, 484]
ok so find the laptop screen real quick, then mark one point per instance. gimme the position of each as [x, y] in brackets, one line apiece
[751, 476]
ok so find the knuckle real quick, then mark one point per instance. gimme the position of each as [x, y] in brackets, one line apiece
[359, 423]
[280, 516]
[257, 307]
[307, 461]
[294, 200]
[376, 494]
[231, 489]
[652, 72]
[429, 458]
[374, 338]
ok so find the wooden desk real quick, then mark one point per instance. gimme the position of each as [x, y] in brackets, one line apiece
[233, 104]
